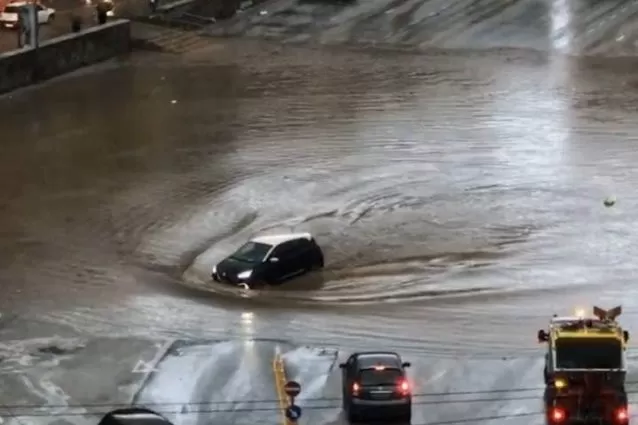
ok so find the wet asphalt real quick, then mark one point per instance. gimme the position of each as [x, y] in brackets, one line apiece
[458, 195]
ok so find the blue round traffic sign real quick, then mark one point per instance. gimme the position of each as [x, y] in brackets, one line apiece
[293, 412]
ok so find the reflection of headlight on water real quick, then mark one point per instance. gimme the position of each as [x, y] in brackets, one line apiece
[247, 324]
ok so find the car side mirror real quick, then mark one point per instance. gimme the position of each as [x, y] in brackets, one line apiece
[273, 260]
[542, 336]
[342, 366]
[406, 364]
[625, 335]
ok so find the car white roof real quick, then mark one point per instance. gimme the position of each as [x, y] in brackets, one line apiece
[281, 238]
[23, 3]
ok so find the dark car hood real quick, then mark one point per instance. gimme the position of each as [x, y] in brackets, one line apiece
[230, 266]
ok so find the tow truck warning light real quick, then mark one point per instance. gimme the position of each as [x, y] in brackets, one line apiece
[622, 415]
[558, 415]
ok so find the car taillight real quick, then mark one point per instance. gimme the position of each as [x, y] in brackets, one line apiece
[355, 389]
[404, 387]
[621, 415]
[557, 415]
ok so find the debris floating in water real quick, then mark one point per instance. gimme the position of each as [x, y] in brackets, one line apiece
[610, 201]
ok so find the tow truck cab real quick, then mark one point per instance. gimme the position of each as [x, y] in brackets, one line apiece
[585, 369]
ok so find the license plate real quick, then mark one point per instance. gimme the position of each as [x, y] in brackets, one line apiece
[381, 395]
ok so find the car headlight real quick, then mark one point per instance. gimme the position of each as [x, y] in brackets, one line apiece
[245, 275]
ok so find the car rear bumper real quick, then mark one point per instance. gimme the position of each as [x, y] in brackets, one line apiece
[397, 407]
[400, 402]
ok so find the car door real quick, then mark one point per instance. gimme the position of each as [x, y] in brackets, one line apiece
[306, 255]
[282, 267]
[347, 377]
[300, 256]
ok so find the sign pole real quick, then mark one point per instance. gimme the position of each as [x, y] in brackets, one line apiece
[33, 25]
[293, 412]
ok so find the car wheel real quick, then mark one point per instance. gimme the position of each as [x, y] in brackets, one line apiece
[51, 18]
[406, 417]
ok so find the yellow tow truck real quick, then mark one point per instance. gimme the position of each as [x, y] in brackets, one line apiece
[585, 369]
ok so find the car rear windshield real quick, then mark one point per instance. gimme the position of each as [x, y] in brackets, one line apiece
[11, 9]
[252, 252]
[380, 377]
[594, 353]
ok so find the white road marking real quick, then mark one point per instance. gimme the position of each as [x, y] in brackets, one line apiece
[143, 366]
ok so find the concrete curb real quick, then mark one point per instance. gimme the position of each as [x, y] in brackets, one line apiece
[64, 54]
[173, 5]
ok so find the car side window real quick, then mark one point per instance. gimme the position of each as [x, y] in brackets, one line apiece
[305, 245]
[290, 249]
[283, 250]
[299, 246]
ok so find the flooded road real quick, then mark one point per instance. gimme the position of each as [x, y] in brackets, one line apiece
[566, 26]
[458, 196]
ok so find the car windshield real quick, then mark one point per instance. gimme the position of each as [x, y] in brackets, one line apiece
[380, 377]
[594, 353]
[252, 252]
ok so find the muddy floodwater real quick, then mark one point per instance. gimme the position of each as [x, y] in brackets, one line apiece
[457, 194]
[466, 182]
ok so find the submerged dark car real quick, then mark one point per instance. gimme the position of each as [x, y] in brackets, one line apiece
[270, 260]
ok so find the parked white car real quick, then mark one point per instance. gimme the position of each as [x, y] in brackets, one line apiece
[9, 16]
